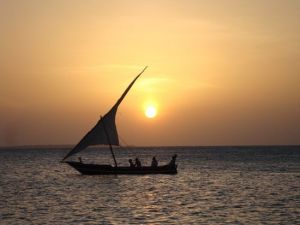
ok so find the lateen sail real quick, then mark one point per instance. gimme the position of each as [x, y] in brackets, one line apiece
[97, 135]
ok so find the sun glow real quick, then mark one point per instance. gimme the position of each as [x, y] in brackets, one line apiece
[150, 112]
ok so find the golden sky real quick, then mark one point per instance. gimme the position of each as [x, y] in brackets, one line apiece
[223, 72]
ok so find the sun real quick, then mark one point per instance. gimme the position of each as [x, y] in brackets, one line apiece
[150, 112]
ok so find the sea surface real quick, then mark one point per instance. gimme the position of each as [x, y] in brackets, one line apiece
[214, 185]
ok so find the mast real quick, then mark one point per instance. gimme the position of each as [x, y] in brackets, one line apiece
[110, 146]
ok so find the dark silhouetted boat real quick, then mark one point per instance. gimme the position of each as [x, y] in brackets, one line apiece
[105, 133]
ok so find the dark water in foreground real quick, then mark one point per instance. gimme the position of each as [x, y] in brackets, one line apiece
[224, 185]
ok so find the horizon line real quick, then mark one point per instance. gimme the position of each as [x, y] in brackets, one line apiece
[147, 146]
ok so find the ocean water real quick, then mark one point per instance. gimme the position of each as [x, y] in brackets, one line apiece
[214, 185]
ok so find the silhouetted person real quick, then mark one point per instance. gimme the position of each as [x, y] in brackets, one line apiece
[154, 162]
[131, 163]
[138, 162]
[80, 160]
[173, 160]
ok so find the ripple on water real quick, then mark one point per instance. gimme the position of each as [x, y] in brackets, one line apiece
[212, 187]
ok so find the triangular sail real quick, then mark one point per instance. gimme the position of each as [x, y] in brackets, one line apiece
[106, 126]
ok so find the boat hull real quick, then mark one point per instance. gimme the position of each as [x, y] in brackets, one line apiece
[95, 169]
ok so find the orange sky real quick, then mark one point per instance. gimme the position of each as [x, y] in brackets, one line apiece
[220, 72]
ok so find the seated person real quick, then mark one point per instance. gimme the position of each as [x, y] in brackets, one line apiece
[154, 162]
[173, 160]
[138, 162]
[131, 163]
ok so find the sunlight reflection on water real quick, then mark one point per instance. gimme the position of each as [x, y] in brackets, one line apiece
[213, 186]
